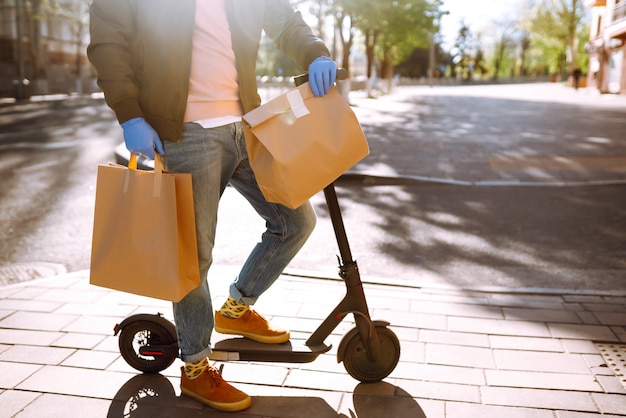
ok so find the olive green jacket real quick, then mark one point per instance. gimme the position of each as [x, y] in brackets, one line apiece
[141, 50]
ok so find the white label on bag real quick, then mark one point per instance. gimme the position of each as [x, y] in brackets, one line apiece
[296, 102]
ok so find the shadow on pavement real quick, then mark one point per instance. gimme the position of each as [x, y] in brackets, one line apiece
[518, 237]
[444, 135]
[368, 404]
[152, 395]
[511, 236]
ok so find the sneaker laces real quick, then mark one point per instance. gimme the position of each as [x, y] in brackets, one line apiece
[216, 375]
[258, 315]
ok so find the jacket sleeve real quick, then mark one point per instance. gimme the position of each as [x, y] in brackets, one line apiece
[110, 51]
[292, 34]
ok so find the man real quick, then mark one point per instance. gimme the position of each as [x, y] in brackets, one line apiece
[179, 74]
[577, 73]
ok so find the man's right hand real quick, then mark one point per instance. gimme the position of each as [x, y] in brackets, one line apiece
[141, 138]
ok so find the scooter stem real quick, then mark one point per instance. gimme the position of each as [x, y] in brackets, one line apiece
[354, 302]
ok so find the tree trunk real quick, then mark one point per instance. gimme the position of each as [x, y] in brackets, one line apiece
[345, 43]
[371, 36]
[345, 86]
[79, 47]
[37, 50]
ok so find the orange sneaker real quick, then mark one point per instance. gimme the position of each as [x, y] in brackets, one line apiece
[251, 325]
[212, 390]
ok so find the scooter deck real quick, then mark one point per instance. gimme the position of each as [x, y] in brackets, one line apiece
[244, 349]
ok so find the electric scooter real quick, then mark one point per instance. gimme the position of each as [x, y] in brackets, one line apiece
[369, 352]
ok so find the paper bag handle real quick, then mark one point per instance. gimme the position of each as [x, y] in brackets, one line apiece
[158, 173]
[158, 164]
[132, 163]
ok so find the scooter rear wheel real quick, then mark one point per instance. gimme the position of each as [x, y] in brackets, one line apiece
[359, 366]
[140, 334]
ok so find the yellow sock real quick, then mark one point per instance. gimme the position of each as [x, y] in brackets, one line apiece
[233, 309]
[193, 370]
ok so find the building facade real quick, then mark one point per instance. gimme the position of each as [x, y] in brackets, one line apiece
[43, 47]
[607, 46]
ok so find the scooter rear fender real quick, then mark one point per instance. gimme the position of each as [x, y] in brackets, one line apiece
[158, 318]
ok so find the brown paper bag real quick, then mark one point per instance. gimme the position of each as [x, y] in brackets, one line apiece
[144, 236]
[298, 144]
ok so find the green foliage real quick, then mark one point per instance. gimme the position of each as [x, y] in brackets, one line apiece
[463, 50]
[396, 33]
[557, 27]
[273, 62]
[393, 28]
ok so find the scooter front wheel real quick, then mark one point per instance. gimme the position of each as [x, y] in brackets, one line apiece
[140, 335]
[359, 366]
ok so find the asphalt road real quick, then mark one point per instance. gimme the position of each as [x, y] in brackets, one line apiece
[48, 155]
[462, 236]
[469, 187]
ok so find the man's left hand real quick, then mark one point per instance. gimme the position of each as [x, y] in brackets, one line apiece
[322, 75]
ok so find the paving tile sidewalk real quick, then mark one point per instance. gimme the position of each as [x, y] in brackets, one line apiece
[465, 353]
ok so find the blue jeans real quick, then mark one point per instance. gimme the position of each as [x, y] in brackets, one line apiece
[216, 157]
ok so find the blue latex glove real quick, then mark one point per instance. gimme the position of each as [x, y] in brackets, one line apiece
[322, 75]
[141, 138]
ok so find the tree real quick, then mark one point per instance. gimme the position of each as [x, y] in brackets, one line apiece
[505, 42]
[502, 45]
[76, 16]
[273, 62]
[365, 16]
[37, 11]
[344, 13]
[556, 24]
[392, 29]
[462, 51]
[416, 66]
[319, 9]
[524, 47]
[479, 62]
[409, 25]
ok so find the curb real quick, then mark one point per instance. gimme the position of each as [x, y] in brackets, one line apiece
[427, 287]
[27, 272]
[377, 180]
[385, 282]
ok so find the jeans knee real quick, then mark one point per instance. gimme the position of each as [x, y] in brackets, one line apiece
[308, 221]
